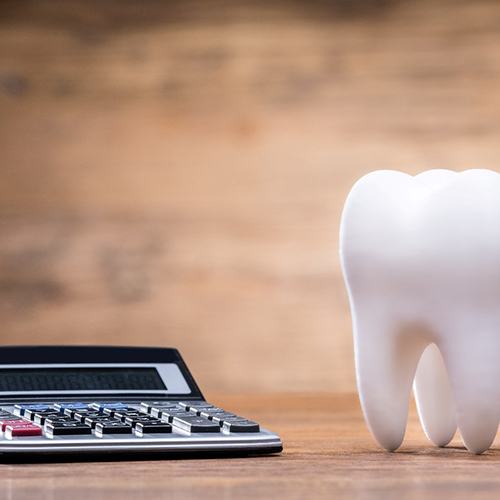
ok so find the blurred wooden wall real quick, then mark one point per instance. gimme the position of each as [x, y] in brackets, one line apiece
[172, 173]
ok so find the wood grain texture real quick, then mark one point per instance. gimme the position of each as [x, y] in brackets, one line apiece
[328, 454]
[173, 173]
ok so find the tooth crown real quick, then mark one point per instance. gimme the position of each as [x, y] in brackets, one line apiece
[421, 262]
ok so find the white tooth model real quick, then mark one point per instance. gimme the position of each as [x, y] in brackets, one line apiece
[421, 260]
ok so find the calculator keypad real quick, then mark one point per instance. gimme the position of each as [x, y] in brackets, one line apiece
[100, 419]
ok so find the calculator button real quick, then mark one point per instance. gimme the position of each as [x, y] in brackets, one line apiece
[57, 418]
[222, 417]
[156, 412]
[81, 415]
[240, 426]
[122, 415]
[134, 420]
[110, 406]
[147, 406]
[192, 405]
[102, 428]
[30, 414]
[9, 421]
[21, 408]
[198, 404]
[39, 417]
[168, 415]
[213, 409]
[154, 426]
[197, 410]
[94, 420]
[195, 424]
[22, 430]
[216, 414]
[67, 429]
[117, 412]
[19, 423]
[160, 412]
[70, 406]
[70, 412]
[110, 411]
[166, 404]
[157, 408]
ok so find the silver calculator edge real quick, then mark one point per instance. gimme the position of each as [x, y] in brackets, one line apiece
[170, 443]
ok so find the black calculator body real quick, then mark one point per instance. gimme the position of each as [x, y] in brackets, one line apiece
[92, 400]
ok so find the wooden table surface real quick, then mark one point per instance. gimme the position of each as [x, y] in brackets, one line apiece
[328, 453]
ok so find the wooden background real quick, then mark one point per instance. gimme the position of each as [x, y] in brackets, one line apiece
[172, 173]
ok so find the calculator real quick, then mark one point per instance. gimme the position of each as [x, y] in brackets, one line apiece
[78, 400]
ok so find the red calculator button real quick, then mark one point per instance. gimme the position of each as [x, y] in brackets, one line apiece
[11, 421]
[24, 430]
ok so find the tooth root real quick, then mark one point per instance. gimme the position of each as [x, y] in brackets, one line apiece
[435, 405]
[386, 361]
[474, 371]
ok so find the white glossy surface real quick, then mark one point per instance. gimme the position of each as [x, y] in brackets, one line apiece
[421, 261]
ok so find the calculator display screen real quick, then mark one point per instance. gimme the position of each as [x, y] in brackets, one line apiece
[80, 379]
